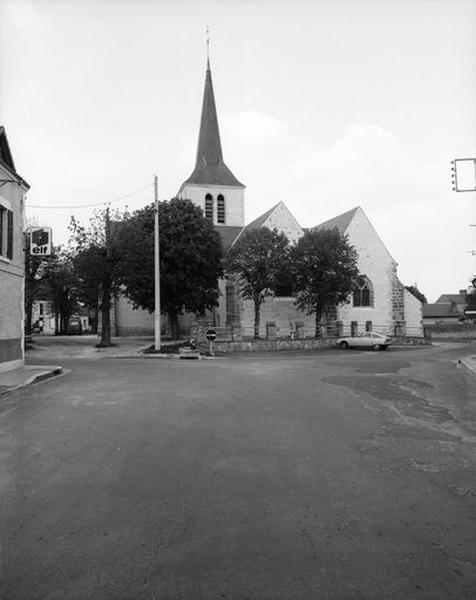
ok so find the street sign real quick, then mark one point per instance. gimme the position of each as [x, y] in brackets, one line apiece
[40, 241]
[211, 335]
[463, 174]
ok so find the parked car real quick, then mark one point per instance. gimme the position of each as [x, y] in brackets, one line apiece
[74, 326]
[369, 339]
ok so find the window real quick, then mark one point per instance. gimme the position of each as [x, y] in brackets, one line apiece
[354, 327]
[220, 209]
[363, 292]
[209, 207]
[368, 325]
[6, 232]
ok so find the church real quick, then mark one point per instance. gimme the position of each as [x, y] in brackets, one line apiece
[379, 303]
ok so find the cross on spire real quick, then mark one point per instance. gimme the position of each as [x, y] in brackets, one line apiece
[208, 48]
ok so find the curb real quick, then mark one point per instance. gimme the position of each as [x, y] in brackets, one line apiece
[53, 372]
[37, 378]
[469, 362]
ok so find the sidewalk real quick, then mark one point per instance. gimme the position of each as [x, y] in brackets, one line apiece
[18, 378]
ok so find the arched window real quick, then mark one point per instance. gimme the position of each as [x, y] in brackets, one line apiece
[363, 292]
[220, 209]
[209, 207]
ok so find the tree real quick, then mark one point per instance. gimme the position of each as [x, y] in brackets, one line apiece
[60, 284]
[324, 267]
[190, 259]
[257, 258]
[96, 263]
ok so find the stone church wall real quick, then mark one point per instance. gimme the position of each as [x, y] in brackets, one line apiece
[234, 201]
[376, 263]
[283, 221]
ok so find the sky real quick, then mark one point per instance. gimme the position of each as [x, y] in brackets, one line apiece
[324, 105]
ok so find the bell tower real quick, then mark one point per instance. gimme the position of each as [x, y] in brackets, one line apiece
[212, 185]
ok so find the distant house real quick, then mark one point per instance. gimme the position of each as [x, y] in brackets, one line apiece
[458, 301]
[12, 259]
[440, 312]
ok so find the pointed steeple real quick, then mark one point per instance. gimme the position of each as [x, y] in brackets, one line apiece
[210, 168]
[209, 144]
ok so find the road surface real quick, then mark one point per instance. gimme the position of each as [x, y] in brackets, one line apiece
[343, 475]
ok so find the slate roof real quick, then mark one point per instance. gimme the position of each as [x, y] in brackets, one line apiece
[456, 298]
[210, 169]
[5, 154]
[228, 234]
[6, 158]
[341, 221]
[439, 310]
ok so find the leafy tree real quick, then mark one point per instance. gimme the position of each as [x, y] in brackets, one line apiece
[60, 284]
[190, 259]
[96, 264]
[324, 266]
[257, 258]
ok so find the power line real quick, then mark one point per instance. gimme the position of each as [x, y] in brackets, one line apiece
[91, 205]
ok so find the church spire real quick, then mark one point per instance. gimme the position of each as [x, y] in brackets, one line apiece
[209, 144]
[210, 168]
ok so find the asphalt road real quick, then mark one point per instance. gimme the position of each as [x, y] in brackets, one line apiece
[339, 475]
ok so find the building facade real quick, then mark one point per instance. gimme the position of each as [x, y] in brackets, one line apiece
[12, 259]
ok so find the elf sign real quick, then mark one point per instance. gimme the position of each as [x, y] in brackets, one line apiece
[40, 241]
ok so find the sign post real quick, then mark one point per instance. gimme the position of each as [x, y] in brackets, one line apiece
[157, 320]
[211, 335]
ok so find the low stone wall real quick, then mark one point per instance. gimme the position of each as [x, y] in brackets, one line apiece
[227, 347]
[411, 341]
[461, 331]
[221, 347]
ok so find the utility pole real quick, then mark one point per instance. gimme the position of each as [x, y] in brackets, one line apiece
[157, 269]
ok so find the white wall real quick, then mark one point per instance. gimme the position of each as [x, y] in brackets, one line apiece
[132, 321]
[413, 314]
[376, 263]
[234, 201]
[12, 279]
[284, 221]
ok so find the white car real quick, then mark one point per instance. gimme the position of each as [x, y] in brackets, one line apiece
[369, 339]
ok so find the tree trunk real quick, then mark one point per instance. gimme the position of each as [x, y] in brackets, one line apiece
[257, 304]
[174, 325]
[317, 333]
[105, 318]
[28, 317]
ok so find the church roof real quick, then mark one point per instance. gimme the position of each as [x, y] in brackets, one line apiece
[210, 169]
[228, 234]
[341, 222]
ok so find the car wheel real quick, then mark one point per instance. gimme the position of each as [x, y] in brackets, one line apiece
[376, 347]
[344, 345]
